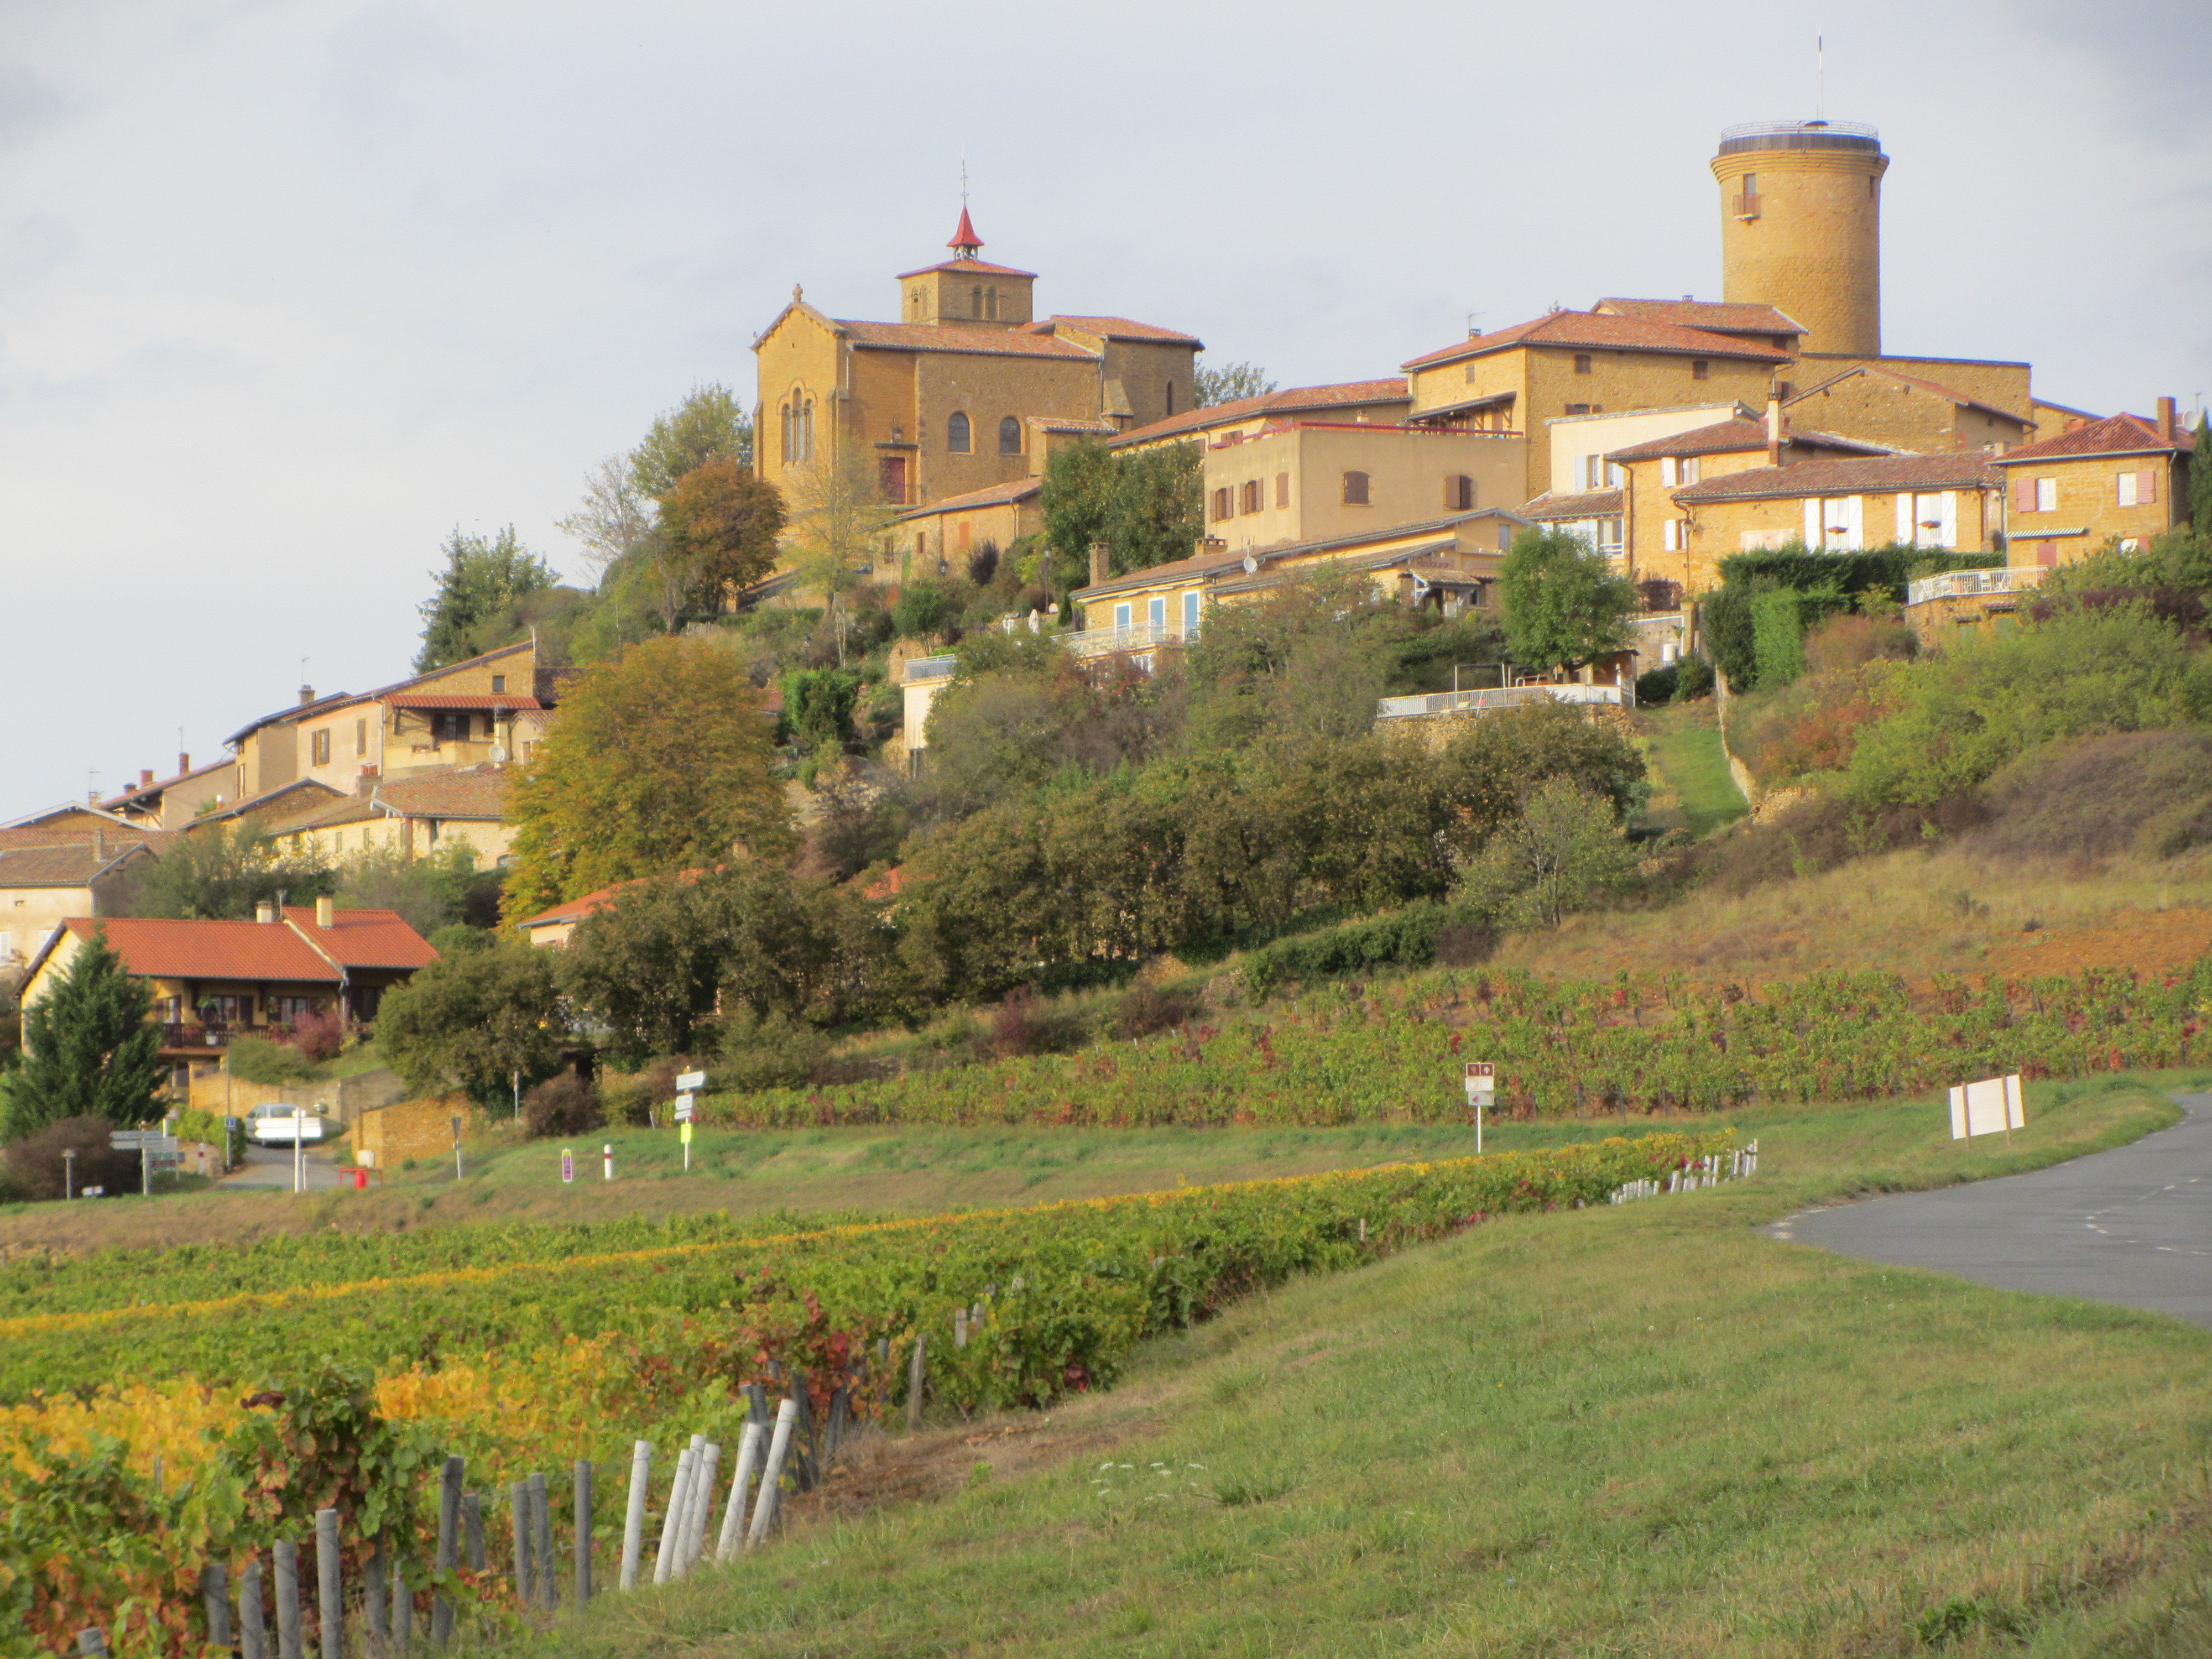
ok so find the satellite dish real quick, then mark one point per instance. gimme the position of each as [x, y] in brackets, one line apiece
[499, 754]
[1251, 565]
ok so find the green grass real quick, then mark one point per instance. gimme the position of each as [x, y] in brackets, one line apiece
[1692, 789]
[1647, 1431]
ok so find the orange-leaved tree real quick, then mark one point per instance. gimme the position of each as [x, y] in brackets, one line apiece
[660, 759]
[718, 531]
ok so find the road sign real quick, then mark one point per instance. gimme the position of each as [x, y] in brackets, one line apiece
[567, 1165]
[692, 1080]
[150, 1140]
[683, 1108]
[1481, 1077]
[685, 1133]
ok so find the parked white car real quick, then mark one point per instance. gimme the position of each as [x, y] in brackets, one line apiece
[276, 1125]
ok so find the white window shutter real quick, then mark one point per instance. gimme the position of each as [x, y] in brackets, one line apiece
[2127, 489]
[1814, 513]
[1668, 535]
[1906, 530]
[1853, 522]
[1669, 473]
[1949, 514]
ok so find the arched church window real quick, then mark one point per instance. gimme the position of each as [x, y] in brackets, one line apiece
[956, 433]
[975, 301]
[1010, 436]
[783, 422]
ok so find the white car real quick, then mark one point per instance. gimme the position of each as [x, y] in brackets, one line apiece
[277, 1125]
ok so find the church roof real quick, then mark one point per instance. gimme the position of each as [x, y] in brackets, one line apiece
[1600, 330]
[952, 336]
[1116, 328]
[963, 235]
[968, 268]
[997, 495]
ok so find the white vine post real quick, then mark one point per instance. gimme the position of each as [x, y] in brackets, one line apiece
[641, 1472]
[1481, 1091]
[734, 1517]
[764, 1505]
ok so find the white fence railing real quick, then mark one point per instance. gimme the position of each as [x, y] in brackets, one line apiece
[1514, 697]
[931, 668]
[1966, 584]
[1137, 636]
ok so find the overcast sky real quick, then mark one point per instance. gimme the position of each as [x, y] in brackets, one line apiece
[291, 288]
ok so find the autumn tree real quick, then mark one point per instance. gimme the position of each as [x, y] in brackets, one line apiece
[476, 1019]
[612, 520]
[710, 425]
[1563, 851]
[661, 761]
[718, 531]
[839, 521]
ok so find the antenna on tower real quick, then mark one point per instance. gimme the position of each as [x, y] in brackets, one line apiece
[963, 175]
[1820, 88]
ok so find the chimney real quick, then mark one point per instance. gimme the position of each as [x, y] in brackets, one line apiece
[99, 842]
[306, 695]
[1101, 562]
[2167, 428]
[265, 912]
[145, 777]
[1773, 429]
[327, 912]
[366, 783]
[183, 764]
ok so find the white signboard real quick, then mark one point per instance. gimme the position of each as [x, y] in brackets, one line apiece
[1987, 1108]
[683, 1104]
[1481, 1077]
[692, 1080]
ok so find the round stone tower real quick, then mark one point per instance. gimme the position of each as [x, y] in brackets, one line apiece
[1800, 227]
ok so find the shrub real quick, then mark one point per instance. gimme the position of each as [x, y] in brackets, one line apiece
[37, 1168]
[562, 1105]
[1407, 938]
[769, 1051]
[1013, 1025]
[263, 1059]
[473, 1020]
[1695, 679]
[1563, 853]
[1657, 685]
[318, 1036]
[1146, 1009]
[2148, 791]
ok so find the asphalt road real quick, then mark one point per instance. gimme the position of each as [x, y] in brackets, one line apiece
[2131, 1226]
[271, 1166]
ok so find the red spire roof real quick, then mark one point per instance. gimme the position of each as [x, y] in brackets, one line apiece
[964, 239]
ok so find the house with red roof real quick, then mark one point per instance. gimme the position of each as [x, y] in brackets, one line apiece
[942, 402]
[2123, 480]
[216, 981]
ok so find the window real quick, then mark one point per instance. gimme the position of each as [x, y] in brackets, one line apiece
[1751, 184]
[1010, 436]
[1221, 503]
[1156, 615]
[891, 478]
[498, 684]
[1355, 489]
[224, 1009]
[1255, 494]
[361, 734]
[796, 416]
[991, 303]
[2138, 488]
[1689, 469]
[1578, 408]
[1671, 536]
[1190, 602]
[1700, 368]
[975, 301]
[956, 433]
[2046, 494]
[318, 745]
[1670, 472]
[1582, 363]
[1458, 493]
[1171, 396]
[286, 1011]
[1282, 489]
[1120, 618]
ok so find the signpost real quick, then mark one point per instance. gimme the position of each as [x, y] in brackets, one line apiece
[607, 1151]
[692, 1080]
[685, 1133]
[156, 1149]
[1482, 1091]
[686, 1105]
[457, 1149]
[567, 1166]
[1984, 1108]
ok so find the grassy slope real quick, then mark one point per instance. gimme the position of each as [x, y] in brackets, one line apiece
[1691, 788]
[1646, 1431]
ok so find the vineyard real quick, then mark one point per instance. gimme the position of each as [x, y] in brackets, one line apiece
[1639, 1045]
[152, 1438]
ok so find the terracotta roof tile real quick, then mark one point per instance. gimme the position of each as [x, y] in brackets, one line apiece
[956, 337]
[1957, 397]
[459, 700]
[212, 950]
[364, 939]
[2116, 434]
[1715, 316]
[967, 268]
[1598, 332]
[1582, 504]
[997, 495]
[1345, 394]
[1120, 328]
[1877, 473]
[1738, 437]
[62, 867]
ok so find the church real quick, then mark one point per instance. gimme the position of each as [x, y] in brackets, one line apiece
[967, 390]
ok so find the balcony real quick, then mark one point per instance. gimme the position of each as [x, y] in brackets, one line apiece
[1137, 636]
[1516, 696]
[1744, 205]
[931, 668]
[1971, 584]
[175, 1034]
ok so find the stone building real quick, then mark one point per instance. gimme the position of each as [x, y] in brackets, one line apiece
[1800, 227]
[1841, 506]
[2123, 479]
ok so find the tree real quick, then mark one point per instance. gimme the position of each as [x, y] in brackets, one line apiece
[839, 519]
[710, 425]
[1229, 383]
[1563, 851]
[661, 761]
[474, 1020]
[1565, 604]
[718, 531]
[481, 580]
[2200, 479]
[1148, 508]
[222, 872]
[1076, 499]
[1307, 659]
[429, 893]
[91, 1049]
[614, 516]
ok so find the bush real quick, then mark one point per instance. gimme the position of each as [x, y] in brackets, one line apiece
[562, 1105]
[769, 1052]
[1407, 938]
[2149, 792]
[1562, 854]
[263, 1059]
[1657, 685]
[37, 1168]
[1146, 1009]
[1694, 679]
[316, 1037]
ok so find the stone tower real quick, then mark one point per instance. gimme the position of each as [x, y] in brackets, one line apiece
[1800, 227]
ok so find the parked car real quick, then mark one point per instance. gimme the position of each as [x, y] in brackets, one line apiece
[278, 1123]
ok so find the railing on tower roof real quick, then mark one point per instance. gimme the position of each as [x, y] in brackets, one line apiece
[1799, 135]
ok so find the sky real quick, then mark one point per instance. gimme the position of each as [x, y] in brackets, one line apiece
[291, 288]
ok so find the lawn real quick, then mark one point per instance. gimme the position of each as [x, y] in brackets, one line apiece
[1691, 788]
[1648, 1429]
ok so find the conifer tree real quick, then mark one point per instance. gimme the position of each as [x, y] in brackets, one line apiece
[2200, 479]
[89, 1048]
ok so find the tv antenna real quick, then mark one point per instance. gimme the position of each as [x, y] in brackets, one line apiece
[1820, 80]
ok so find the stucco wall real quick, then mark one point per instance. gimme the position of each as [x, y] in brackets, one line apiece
[1301, 470]
[1575, 437]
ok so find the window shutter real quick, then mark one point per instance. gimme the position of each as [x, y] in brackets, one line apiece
[2126, 494]
[2145, 487]
[1907, 531]
[1948, 513]
[1853, 522]
[1814, 540]
[2023, 494]
[1669, 473]
[1671, 536]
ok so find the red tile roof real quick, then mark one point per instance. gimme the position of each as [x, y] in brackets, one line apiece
[1598, 332]
[1582, 504]
[69, 826]
[967, 268]
[158, 948]
[1877, 473]
[990, 495]
[1119, 328]
[1715, 316]
[2116, 434]
[1738, 437]
[953, 336]
[364, 939]
[62, 866]
[1349, 393]
[460, 700]
[476, 791]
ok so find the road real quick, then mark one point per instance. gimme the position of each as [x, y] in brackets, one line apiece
[271, 1166]
[2131, 1226]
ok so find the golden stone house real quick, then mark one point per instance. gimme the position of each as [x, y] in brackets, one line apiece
[41, 887]
[1884, 406]
[1943, 502]
[417, 814]
[2123, 479]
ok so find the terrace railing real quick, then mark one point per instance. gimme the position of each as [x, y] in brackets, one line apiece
[1968, 584]
[1511, 696]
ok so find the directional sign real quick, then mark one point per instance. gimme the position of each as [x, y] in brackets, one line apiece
[1481, 1077]
[692, 1080]
[156, 1144]
[683, 1107]
[568, 1164]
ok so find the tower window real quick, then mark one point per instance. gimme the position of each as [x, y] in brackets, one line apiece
[956, 433]
[1751, 184]
[1699, 368]
[991, 303]
[1010, 436]
[1355, 489]
[1582, 363]
[975, 301]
